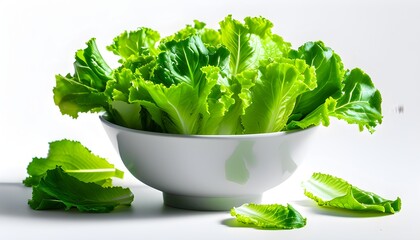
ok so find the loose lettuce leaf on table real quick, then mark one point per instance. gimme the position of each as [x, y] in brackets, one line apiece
[330, 191]
[74, 159]
[59, 190]
[273, 216]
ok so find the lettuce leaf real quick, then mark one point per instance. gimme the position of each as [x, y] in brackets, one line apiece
[85, 90]
[130, 45]
[250, 42]
[74, 159]
[360, 103]
[274, 95]
[273, 216]
[58, 190]
[349, 95]
[330, 191]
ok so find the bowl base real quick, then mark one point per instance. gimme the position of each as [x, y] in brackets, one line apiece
[208, 203]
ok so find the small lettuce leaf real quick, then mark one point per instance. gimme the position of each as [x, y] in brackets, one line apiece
[250, 42]
[210, 37]
[85, 90]
[76, 160]
[272, 216]
[330, 191]
[360, 103]
[58, 190]
[329, 76]
[133, 44]
[182, 62]
[274, 95]
[240, 95]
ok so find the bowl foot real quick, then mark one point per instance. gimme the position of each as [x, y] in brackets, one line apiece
[208, 203]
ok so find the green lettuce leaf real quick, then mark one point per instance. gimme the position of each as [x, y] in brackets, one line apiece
[329, 76]
[330, 191]
[240, 96]
[274, 95]
[133, 44]
[85, 90]
[182, 62]
[360, 103]
[272, 216]
[58, 190]
[74, 159]
[250, 43]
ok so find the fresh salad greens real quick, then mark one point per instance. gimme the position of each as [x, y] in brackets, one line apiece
[335, 192]
[272, 216]
[239, 79]
[76, 160]
[59, 190]
[71, 176]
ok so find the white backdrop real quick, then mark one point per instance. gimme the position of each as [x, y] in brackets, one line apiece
[38, 40]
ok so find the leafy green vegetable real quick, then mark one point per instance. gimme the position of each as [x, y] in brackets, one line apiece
[238, 79]
[347, 95]
[74, 159]
[331, 191]
[84, 91]
[274, 95]
[58, 190]
[269, 216]
[72, 176]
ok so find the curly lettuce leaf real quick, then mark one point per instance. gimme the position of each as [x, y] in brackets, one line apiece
[183, 60]
[59, 190]
[240, 96]
[133, 44]
[76, 160]
[180, 108]
[250, 42]
[85, 90]
[330, 191]
[274, 95]
[360, 103]
[329, 76]
[210, 37]
[273, 216]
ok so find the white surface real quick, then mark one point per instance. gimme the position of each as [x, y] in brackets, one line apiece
[38, 40]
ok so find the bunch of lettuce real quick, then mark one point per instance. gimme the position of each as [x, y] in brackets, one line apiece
[239, 79]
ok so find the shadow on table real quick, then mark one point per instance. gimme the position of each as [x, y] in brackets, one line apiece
[147, 204]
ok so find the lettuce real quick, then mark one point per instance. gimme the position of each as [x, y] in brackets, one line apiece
[59, 190]
[74, 159]
[239, 79]
[71, 176]
[330, 191]
[274, 216]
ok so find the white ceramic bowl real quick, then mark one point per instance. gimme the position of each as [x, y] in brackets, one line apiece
[209, 172]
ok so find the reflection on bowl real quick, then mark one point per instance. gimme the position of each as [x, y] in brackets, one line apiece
[209, 172]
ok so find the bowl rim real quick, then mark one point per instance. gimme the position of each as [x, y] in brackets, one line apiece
[107, 122]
